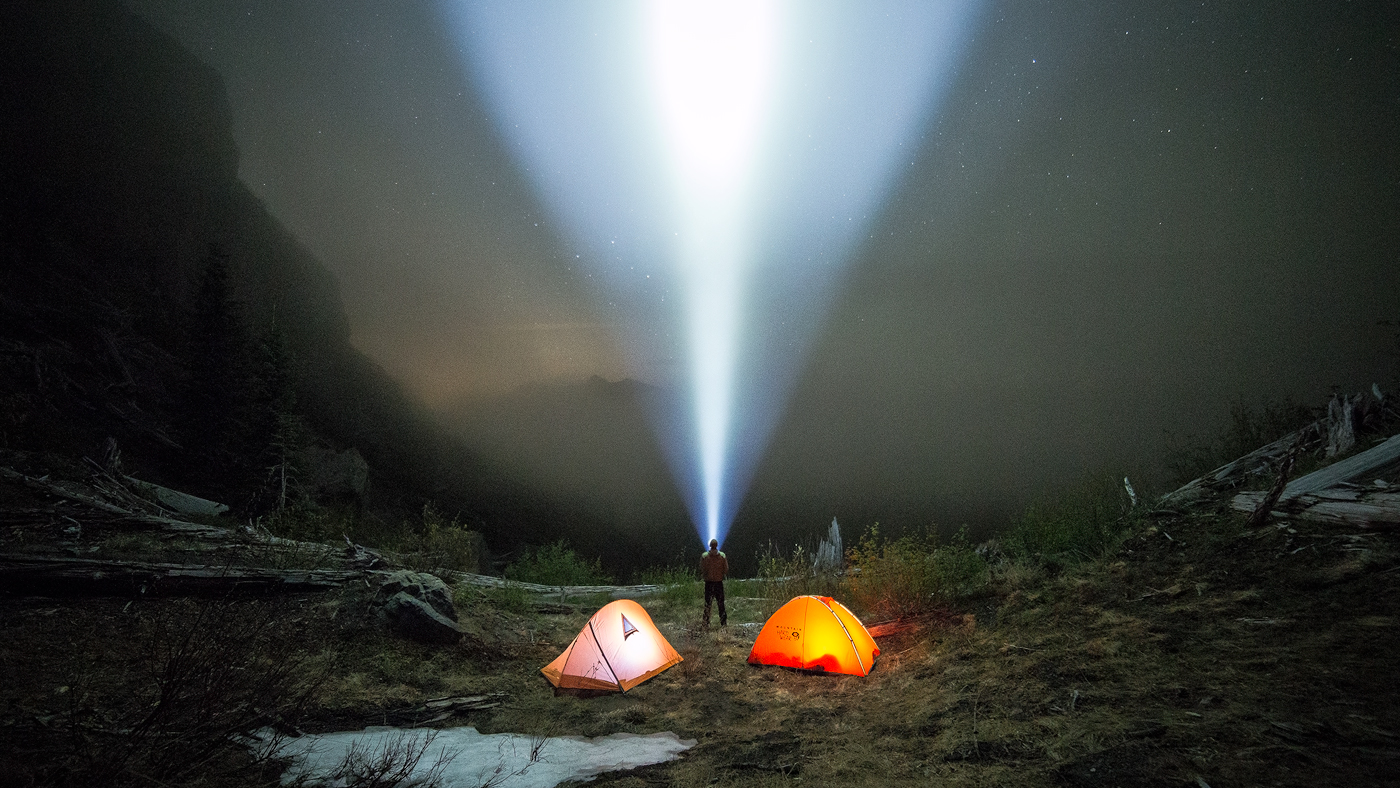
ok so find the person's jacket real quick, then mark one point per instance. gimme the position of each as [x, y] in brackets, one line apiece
[713, 566]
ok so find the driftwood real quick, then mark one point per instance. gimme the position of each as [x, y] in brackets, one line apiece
[1261, 514]
[1261, 460]
[32, 574]
[92, 577]
[123, 577]
[1341, 430]
[118, 516]
[74, 492]
[1318, 496]
[466, 703]
[1369, 461]
[563, 592]
[1356, 508]
[1333, 434]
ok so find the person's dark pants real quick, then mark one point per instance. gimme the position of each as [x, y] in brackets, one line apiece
[715, 590]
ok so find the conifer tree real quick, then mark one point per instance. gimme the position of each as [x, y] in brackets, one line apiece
[278, 433]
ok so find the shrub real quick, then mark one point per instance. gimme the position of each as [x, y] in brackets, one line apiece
[439, 544]
[510, 598]
[218, 672]
[679, 587]
[557, 565]
[304, 522]
[912, 574]
[393, 763]
[1079, 522]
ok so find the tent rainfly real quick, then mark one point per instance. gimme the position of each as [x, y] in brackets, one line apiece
[616, 650]
[815, 633]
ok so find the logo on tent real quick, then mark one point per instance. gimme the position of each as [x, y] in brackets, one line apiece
[627, 628]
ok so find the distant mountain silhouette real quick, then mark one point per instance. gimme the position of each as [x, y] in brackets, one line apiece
[119, 196]
[589, 442]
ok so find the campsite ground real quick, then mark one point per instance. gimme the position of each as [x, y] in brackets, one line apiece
[1197, 653]
[1219, 656]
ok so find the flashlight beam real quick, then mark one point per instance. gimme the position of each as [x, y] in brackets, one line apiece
[713, 63]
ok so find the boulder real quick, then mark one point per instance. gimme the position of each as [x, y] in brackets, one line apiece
[418, 606]
[420, 585]
[416, 620]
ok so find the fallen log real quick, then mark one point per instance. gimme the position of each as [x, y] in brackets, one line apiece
[467, 703]
[563, 592]
[68, 491]
[1373, 459]
[40, 575]
[1333, 507]
[31, 574]
[1259, 461]
[1264, 510]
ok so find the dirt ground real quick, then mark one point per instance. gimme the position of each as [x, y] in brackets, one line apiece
[1199, 653]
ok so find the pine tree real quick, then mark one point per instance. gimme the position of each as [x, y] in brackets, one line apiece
[278, 433]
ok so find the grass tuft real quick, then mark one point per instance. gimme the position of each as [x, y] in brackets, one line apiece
[1080, 522]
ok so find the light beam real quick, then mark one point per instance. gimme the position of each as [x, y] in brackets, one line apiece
[713, 65]
[715, 162]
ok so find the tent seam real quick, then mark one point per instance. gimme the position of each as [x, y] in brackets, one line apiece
[607, 662]
[854, 648]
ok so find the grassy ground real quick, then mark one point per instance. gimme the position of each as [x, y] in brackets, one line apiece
[1194, 652]
[1218, 655]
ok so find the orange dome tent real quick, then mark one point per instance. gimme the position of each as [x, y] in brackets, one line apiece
[616, 650]
[815, 633]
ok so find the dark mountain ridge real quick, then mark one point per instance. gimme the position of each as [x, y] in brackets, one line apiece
[119, 194]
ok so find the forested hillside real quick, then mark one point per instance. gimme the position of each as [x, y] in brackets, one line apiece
[153, 311]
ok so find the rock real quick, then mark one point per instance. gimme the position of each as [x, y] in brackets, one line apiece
[419, 606]
[416, 620]
[422, 586]
[336, 475]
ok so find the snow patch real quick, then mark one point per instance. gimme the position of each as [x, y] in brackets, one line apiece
[478, 758]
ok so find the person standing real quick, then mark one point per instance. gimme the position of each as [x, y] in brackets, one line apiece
[713, 567]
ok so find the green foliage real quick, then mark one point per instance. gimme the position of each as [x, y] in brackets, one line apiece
[439, 544]
[1076, 523]
[557, 565]
[510, 597]
[912, 574]
[679, 586]
[277, 433]
[304, 522]
[1250, 427]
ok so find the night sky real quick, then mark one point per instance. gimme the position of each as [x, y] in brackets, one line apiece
[1123, 217]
